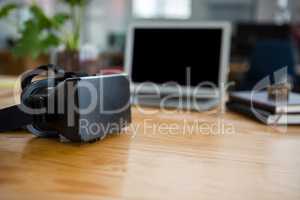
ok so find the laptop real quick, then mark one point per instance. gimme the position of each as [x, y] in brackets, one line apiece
[178, 64]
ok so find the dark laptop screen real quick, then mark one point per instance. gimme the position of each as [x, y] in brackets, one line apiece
[163, 55]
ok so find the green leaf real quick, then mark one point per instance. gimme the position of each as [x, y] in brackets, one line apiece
[49, 41]
[39, 16]
[28, 43]
[7, 9]
[75, 2]
[35, 40]
[59, 19]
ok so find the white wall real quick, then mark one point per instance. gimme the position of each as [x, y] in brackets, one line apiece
[265, 10]
[104, 16]
[295, 6]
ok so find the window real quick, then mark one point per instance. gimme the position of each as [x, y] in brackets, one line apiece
[169, 9]
[282, 3]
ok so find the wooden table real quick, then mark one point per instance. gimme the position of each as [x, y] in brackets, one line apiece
[242, 160]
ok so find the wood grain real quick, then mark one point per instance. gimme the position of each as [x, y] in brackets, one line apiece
[252, 162]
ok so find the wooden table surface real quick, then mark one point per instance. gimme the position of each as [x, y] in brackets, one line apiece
[237, 159]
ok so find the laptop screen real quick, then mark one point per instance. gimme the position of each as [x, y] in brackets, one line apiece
[162, 55]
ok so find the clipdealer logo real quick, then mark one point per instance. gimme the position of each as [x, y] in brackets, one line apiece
[280, 77]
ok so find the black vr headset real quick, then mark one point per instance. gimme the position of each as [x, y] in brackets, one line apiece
[76, 107]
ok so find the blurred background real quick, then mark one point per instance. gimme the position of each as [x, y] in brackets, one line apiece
[89, 35]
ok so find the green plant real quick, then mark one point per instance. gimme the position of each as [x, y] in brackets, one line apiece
[76, 10]
[40, 32]
[6, 9]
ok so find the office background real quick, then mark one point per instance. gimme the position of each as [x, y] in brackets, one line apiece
[105, 23]
[103, 17]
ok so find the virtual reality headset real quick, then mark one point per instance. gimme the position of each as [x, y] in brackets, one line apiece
[73, 106]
